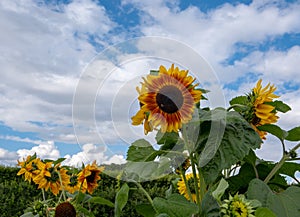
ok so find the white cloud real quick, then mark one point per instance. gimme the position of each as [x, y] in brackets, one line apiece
[90, 153]
[45, 150]
[8, 157]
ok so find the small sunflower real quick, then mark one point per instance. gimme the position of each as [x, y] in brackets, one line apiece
[49, 177]
[191, 183]
[73, 185]
[29, 167]
[167, 100]
[65, 209]
[263, 112]
[237, 206]
[89, 176]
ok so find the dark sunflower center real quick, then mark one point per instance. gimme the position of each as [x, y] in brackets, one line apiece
[91, 178]
[65, 210]
[169, 99]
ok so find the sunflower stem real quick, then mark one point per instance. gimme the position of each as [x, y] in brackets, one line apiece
[43, 193]
[62, 187]
[285, 157]
[186, 184]
[140, 187]
[198, 199]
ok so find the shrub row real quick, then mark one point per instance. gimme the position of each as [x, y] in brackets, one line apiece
[16, 194]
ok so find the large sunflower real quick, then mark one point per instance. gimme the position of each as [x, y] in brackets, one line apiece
[89, 176]
[49, 177]
[167, 100]
[29, 167]
[263, 113]
[182, 188]
[74, 184]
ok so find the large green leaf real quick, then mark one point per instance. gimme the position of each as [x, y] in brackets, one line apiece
[283, 204]
[100, 200]
[175, 206]
[145, 171]
[168, 140]
[141, 151]
[274, 130]
[210, 207]
[145, 210]
[293, 134]
[289, 168]
[121, 199]
[224, 138]
[264, 212]
[280, 106]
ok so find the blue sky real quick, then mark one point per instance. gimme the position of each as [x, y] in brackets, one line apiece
[50, 48]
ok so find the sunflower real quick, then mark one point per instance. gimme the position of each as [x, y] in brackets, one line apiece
[191, 183]
[74, 184]
[167, 100]
[65, 209]
[49, 177]
[264, 113]
[89, 176]
[237, 206]
[29, 167]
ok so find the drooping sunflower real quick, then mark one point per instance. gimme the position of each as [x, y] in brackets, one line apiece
[263, 113]
[237, 206]
[29, 167]
[65, 209]
[89, 176]
[182, 188]
[167, 100]
[49, 177]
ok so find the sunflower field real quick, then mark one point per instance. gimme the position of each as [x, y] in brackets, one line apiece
[203, 164]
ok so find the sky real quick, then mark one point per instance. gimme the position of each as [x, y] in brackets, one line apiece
[69, 69]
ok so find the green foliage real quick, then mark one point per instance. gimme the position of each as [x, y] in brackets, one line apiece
[121, 199]
[283, 204]
[175, 206]
[223, 139]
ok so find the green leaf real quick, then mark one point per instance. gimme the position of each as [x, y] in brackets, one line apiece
[59, 160]
[145, 171]
[293, 134]
[85, 211]
[100, 200]
[274, 130]
[224, 138]
[210, 207]
[175, 206]
[241, 100]
[264, 212]
[145, 210]
[168, 140]
[289, 168]
[28, 214]
[162, 215]
[283, 204]
[154, 72]
[280, 106]
[121, 199]
[222, 186]
[141, 151]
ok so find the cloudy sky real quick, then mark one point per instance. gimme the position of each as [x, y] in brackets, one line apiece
[69, 68]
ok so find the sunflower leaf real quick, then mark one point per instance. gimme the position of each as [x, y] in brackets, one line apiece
[141, 151]
[175, 206]
[145, 210]
[121, 199]
[283, 204]
[293, 134]
[264, 212]
[274, 130]
[223, 139]
[280, 106]
[100, 200]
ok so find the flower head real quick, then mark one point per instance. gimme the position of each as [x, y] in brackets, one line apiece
[52, 176]
[263, 113]
[89, 176]
[237, 206]
[167, 100]
[65, 209]
[29, 167]
[182, 188]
